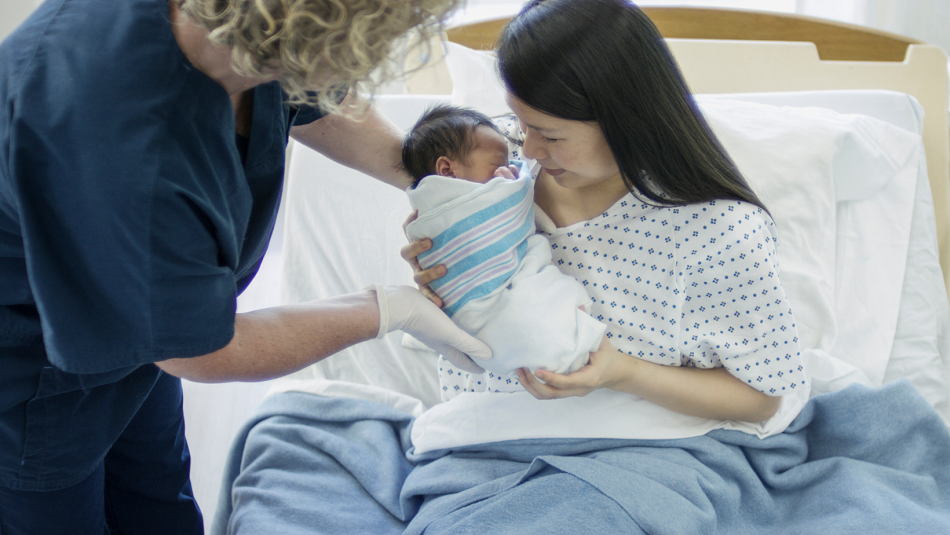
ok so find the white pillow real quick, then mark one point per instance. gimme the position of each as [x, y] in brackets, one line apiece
[921, 345]
[342, 232]
[475, 81]
[841, 190]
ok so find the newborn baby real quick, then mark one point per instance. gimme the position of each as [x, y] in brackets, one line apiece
[500, 284]
[450, 141]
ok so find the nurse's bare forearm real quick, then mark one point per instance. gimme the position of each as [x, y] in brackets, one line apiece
[276, 341]
[371, 144]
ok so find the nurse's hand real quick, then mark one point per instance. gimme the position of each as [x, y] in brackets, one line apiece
[422, 277]
[607, 367]
[406, 309]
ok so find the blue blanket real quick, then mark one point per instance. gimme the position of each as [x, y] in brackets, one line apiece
[856, 461]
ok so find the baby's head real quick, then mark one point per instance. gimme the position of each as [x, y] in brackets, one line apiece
[456, 142]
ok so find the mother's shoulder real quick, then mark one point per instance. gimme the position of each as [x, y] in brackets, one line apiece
[722, 221]
[725, 209]
[101, 55]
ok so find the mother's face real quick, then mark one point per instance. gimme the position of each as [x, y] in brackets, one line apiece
[574, 153]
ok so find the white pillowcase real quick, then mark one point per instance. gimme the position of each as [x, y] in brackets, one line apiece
[832, 182]
[921, 345]
[475, 81]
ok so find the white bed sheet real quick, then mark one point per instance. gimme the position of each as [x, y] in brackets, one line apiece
[342, 232]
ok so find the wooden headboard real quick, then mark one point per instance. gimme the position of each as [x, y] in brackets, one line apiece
[736, 51]
[834, 40]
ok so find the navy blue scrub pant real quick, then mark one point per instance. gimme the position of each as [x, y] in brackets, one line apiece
[142, 487]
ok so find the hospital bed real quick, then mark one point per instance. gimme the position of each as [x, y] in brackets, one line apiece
[864, 214]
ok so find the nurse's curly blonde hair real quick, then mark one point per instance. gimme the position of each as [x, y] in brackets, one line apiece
[319, 46]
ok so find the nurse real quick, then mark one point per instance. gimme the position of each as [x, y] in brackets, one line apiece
[141, 160]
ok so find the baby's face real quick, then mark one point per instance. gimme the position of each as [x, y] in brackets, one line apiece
[490, 153]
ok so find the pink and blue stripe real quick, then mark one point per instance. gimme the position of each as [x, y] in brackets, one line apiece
[482, 251]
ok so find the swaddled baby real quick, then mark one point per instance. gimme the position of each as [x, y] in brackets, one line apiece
[500, 284]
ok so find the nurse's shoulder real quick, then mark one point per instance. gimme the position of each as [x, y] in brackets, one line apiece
[94, 58]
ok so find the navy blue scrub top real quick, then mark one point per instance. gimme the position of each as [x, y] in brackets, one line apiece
[129, 223]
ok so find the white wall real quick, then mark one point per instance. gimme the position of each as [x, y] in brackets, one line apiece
[841, 10]
[12, 13]
[926, 20]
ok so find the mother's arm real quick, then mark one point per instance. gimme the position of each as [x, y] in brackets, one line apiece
[709, 393]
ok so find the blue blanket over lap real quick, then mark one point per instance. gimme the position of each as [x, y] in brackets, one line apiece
[856, 461]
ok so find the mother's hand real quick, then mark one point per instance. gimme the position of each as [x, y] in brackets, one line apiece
[607, 367]
[422, 277]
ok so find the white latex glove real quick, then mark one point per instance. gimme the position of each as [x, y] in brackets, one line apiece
[404, 308]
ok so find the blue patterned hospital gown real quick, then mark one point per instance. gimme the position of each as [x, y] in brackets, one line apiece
[693, 285]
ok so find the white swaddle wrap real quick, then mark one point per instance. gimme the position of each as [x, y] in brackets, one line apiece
[500, 285]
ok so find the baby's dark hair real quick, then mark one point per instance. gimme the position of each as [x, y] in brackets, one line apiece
[443, 130]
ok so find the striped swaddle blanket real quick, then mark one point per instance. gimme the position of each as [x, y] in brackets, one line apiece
[500, 285]
[484, 240]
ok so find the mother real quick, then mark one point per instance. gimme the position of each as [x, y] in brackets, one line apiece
[617, 137]
[141, 159]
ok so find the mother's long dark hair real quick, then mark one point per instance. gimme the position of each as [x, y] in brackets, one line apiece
[605, 61]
